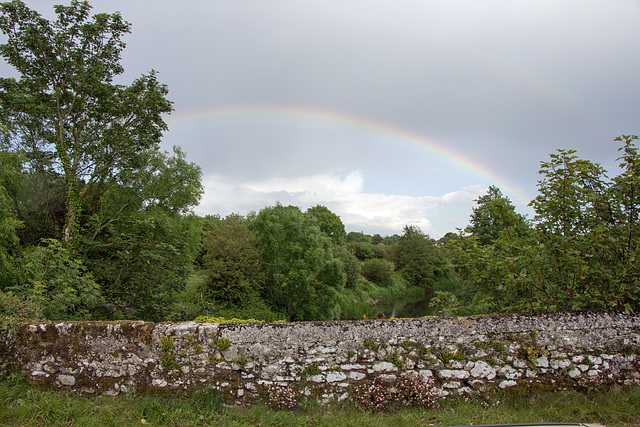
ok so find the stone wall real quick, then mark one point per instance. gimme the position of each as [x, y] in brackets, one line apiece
[326, 359]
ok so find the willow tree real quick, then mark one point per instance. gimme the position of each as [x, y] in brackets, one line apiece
[64, 111]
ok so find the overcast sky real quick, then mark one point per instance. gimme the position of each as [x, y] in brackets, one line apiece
[387, 112]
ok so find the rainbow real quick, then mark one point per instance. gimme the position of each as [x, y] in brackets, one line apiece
[351, 122]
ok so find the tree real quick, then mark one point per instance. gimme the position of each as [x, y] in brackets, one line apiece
[358, 236]
[582, 252]
[419, 259]
[9, 224]
[301, 275]
[64, 110]
[493, 215]
[142, 261]
[232, 261]
[329, 223]
[379, 271]
[350, 265]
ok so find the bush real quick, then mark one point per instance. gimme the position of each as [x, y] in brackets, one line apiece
[362, 250]
[15, 310]
[378, 271]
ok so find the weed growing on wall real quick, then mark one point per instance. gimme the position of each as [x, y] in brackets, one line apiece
[224, 344]
[166, 357]
[395, 359]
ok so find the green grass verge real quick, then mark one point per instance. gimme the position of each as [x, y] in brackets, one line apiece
[24, 405]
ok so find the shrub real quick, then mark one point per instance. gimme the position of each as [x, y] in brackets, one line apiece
[378, 271]
[15, 310]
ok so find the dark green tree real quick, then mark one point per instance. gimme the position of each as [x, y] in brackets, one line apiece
[350, 265]
[233, 262]
[142, 261]
[57, 283]
[379, 271]
[9, 223]
[357, 236]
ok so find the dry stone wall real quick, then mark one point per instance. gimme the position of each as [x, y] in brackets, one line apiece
[327, 359]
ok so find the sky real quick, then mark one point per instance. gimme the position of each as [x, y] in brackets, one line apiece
[388, 112]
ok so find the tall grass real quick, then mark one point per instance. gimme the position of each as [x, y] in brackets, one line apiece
[24, 405]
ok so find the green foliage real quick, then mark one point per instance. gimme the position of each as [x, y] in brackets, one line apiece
[357, 236]
[233, 262]
[223, 343]
[57, 282]
[378, 271]
[581, 253]
[312, 370]
[242, 362]
[371, 345]
[9, 223]
[143, 261]
[24, 404]
[446, 356]
[15, 310]
[446, 304]
[81, 164]
[64, 109]
[350, 265]
[301, 275]
[395, 359]
[211, 319]
[495, 215]
[420, 261]
[167, 358]
[329, 223]
[362, 250]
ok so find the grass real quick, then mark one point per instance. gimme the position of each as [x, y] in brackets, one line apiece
[24, 405]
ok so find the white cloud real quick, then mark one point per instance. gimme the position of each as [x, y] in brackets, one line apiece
[344, 195]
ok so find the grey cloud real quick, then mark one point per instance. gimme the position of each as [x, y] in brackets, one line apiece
[504, 83]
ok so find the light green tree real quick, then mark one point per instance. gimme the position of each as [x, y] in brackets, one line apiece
[329, 223]
[59, 284]
[301, 275]
[494, 215]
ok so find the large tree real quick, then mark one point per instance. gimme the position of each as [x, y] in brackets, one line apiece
[329, 223]
[65, 112]
[301, 275]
